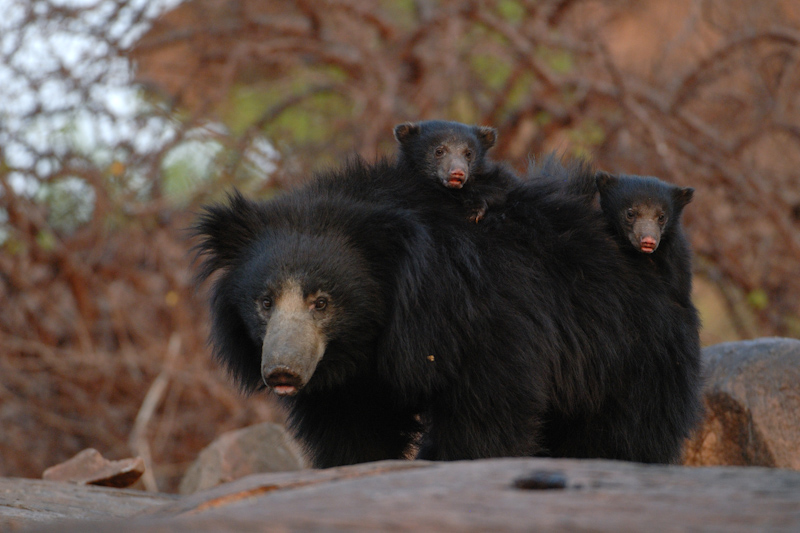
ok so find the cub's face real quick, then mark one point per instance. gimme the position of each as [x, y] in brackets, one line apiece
[643, 223]
[451, 160]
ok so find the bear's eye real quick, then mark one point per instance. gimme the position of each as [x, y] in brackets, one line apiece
[439, 152]
[320, 303]
[468, 155]
[630, 214]
[662, 218]
[266, 303]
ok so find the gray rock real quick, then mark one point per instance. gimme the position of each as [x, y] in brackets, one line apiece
[752, 399]
[515, 494]
[26, 502]
[260, 448]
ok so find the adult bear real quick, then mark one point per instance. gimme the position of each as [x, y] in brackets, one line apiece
[368, 306]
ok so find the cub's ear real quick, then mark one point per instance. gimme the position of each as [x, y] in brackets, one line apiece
[404, 132]
[682, 196]
[486, 135]
[605, 180]
[224, 231]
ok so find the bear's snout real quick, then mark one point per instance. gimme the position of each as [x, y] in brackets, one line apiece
[294, 342]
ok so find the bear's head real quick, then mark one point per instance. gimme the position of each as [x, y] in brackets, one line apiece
[302, 290]
[450, 153]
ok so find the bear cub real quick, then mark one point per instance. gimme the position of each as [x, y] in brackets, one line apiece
[452, 156]
[644, 214]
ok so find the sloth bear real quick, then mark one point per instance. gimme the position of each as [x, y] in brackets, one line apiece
[450, 155]
[644, 213]
[375, 314]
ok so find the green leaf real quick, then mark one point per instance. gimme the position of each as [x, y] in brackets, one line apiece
[14, 246]
[491, 69]
[46, 240]
[758, 299]
[511, 11]
[559, 61]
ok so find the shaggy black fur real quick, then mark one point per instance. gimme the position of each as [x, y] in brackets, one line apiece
[529, 334]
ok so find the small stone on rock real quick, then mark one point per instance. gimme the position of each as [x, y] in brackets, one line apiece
[90, 468]
[541, 480]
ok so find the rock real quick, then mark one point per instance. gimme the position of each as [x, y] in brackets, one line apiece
[513, 494]
[752, 399]
[25, 502]
[261, 448]
[90, 468]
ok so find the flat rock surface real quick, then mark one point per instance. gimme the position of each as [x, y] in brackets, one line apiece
[27, 501]
[493, 494]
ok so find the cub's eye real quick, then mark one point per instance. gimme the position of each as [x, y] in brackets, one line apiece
[630, 214]
[266, 303]
[320, 303]
[439, 152]
[662, 218]
[468, 155]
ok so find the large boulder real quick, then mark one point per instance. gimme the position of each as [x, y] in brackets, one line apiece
[260, 448]
[752, 399]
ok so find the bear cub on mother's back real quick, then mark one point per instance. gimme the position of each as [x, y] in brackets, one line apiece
[645, 216]
[450, 156]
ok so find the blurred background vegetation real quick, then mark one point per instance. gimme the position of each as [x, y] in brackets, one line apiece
[119, 118]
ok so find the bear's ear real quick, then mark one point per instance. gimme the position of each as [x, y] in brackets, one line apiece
[605, 181]
[403, 132]
[224, 231]
[486, 135]
[682, 196]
